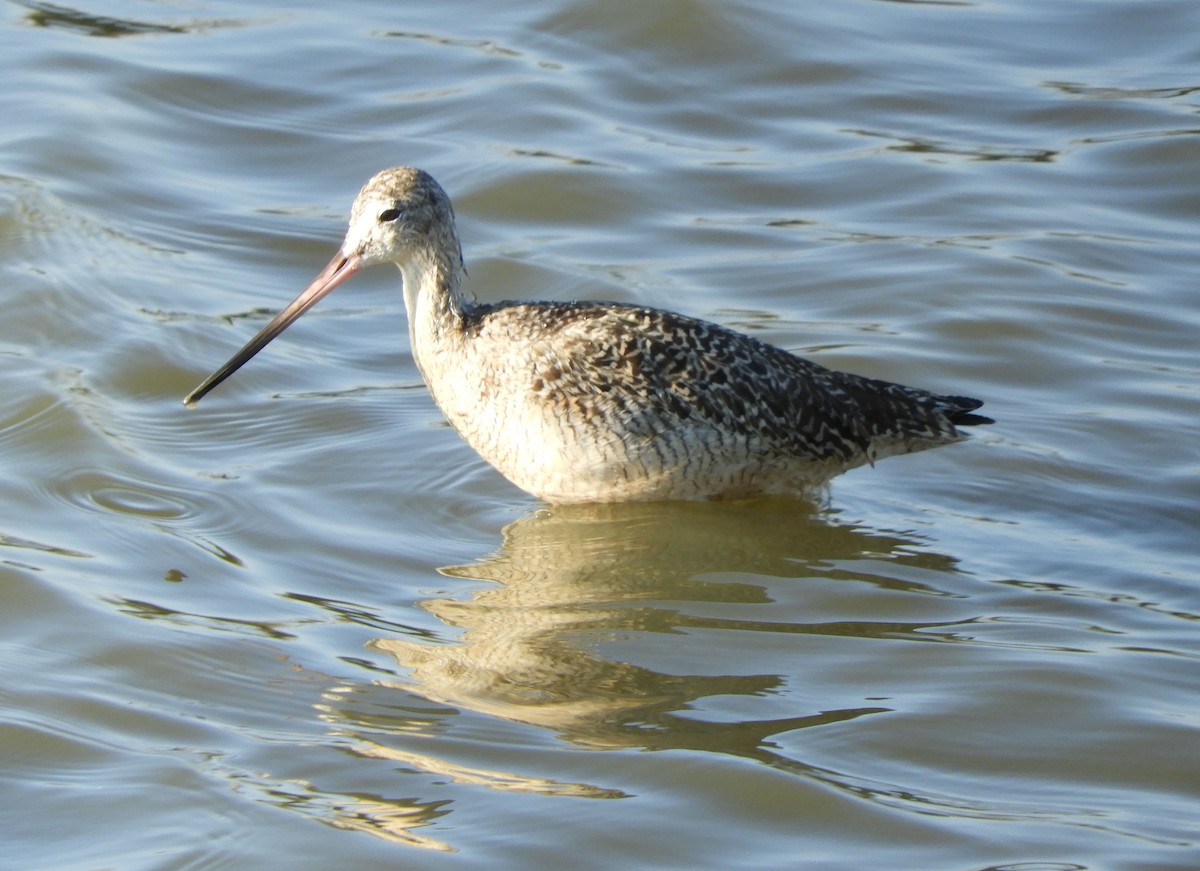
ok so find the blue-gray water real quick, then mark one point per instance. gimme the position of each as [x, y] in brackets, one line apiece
[304, 626]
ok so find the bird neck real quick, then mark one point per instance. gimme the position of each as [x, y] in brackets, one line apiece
[433, 296]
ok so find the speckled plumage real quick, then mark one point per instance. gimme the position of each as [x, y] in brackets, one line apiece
[604, 402]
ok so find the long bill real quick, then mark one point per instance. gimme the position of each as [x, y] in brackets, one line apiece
[338, 270]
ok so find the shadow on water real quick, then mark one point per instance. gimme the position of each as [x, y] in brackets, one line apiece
[53, 15]
[568, 583]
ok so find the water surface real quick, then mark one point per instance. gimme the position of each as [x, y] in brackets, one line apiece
[305, 626]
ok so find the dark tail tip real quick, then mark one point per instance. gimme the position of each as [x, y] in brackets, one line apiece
[958, 409]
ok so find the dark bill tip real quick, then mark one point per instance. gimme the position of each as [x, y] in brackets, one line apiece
[338, 270]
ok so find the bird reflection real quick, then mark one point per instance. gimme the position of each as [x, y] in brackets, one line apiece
[570, 579]
[568, 586]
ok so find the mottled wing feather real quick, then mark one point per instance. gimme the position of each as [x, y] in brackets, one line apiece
[656, 370]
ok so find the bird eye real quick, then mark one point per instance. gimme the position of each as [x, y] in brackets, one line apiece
[388, 215]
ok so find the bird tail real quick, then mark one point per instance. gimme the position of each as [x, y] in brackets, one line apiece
[899, 420]
[958, 410]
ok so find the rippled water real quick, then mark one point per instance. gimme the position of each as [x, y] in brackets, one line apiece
[304, 626]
